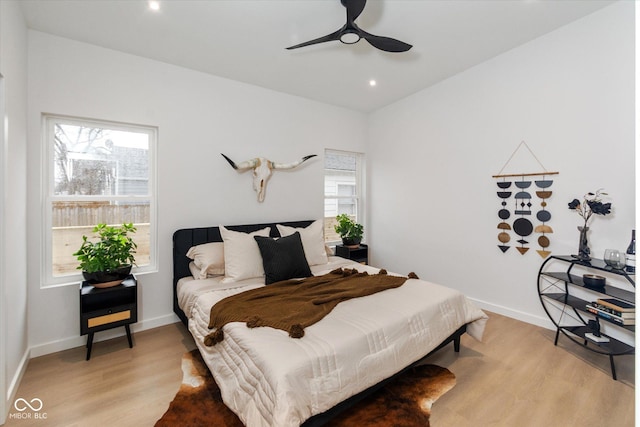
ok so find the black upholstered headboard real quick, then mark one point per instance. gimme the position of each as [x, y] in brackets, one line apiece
[185, 238]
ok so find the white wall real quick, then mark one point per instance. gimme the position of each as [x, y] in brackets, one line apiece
[13, 283]
[199, 116]
[570, 96]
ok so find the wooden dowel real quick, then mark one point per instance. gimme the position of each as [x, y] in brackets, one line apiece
[525, 174]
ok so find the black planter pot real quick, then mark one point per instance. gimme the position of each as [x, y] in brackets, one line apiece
[351, 242]
[110, 276]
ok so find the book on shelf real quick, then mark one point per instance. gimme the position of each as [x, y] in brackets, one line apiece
[616, 304]
[612, 317]
[622, 314]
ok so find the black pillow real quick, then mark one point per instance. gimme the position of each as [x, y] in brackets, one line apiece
[283, 258]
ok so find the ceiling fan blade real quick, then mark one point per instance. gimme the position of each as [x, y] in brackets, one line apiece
[327, 38]
[354, 8]
[385, 43]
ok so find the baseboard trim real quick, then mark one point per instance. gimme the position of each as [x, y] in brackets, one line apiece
[16, 380]
[79, 341]
[543, 322]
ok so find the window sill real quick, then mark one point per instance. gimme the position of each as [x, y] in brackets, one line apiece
[76, 279]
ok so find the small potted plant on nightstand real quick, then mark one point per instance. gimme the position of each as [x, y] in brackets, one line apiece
[107, 261]
[350, 231]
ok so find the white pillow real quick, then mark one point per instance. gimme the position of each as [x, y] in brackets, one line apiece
[242, 258]
[195, 271]
[208, 258]
[312, 241]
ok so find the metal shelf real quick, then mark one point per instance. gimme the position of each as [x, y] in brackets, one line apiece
[555, 291]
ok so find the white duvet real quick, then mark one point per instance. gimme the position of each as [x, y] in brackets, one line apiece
[270, 379]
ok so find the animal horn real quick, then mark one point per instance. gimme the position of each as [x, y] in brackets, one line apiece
[249, 164]
[281, 166]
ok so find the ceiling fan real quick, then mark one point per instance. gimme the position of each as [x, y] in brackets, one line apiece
[350, 33]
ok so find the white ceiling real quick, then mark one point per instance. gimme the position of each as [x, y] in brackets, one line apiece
[245, 40]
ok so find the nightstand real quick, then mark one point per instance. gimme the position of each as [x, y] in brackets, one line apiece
[359, 254]
[107, 308]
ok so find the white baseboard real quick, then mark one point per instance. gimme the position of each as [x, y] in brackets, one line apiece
[16, 380]
[543, 322]
[79, 341]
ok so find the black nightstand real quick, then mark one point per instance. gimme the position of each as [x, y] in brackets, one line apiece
[359, 254]
[107, 308]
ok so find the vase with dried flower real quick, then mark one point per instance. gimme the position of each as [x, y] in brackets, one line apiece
[591, 205]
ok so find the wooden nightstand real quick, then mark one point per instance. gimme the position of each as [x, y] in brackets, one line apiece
[107, 308]
[359, 254]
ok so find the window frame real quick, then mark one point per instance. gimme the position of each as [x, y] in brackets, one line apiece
[360, 190]
[48, 197]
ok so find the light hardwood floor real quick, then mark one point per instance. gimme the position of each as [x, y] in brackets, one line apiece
[515, 377]
[119, 386]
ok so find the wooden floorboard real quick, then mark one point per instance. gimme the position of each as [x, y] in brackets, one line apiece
[515, 377]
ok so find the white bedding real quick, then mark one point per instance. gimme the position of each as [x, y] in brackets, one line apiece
[270, 379]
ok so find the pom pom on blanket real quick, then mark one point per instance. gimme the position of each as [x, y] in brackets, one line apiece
[296, 331]
[254, 322]
[214, 337]
[413, 275]
[382, 271]
[346, 272]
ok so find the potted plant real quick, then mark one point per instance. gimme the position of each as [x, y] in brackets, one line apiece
[350, 231]
[108, 260]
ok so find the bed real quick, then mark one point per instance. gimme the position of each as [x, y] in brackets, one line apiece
[269, 378]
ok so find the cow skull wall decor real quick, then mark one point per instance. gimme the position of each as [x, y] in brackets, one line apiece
[262, 170]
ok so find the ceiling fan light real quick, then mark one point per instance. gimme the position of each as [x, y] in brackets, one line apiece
[349, 37]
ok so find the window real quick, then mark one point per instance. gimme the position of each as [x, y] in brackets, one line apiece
[343, 189]
[96, 172]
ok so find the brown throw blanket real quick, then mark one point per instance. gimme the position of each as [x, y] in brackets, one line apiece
[292, 305]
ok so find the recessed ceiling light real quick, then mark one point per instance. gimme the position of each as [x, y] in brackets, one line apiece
[154, 5]
[372, 82]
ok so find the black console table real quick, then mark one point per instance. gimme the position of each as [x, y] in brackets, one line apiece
[564, 297]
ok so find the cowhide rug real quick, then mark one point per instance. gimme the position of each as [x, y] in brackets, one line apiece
[404, 402]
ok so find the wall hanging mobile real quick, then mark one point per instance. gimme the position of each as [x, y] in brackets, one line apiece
[523, 224]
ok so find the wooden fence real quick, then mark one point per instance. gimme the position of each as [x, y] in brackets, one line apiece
[74, 214]
[72, 220]
[67, 240]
